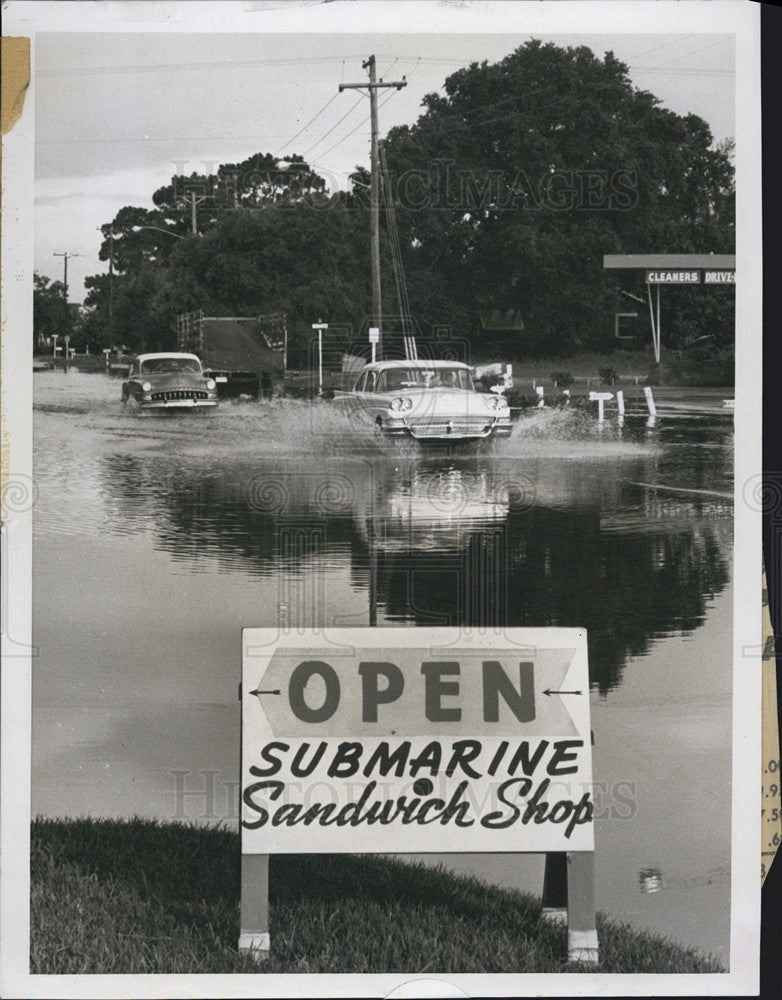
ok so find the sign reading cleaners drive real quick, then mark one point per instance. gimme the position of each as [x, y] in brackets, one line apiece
[416, 740]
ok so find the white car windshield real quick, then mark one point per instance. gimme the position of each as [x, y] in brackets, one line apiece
[393, 379]
[171, 365]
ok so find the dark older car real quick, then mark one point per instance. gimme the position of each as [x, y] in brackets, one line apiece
[168, 381]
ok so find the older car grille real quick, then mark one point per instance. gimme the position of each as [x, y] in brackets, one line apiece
[180, 394]
[463, 425]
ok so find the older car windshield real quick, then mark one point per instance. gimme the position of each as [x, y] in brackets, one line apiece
[174, 365]
[393, 379]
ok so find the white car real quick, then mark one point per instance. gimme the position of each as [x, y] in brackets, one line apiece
[428, 400]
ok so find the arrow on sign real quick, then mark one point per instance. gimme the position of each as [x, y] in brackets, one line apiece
[259, 692]
[549, 692]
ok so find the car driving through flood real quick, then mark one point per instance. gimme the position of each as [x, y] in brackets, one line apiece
[427, 400]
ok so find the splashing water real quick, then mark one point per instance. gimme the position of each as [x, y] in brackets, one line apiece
[571, 433]
[286, 426]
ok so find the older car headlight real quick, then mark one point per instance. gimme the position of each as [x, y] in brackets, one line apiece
[146, 386]
[211, 383]
[401, 404]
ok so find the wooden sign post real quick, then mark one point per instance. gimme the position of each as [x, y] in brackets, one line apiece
[418, 740]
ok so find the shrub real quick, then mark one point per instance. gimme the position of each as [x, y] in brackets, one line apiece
[608, 375]
[562, 379]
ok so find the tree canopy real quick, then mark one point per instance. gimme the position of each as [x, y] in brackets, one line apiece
[508, 190]
[525, 172]
[51, 316]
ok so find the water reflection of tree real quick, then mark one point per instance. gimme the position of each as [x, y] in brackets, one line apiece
[550, 567]
[541, 566]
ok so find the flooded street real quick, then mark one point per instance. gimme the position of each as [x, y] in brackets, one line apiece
[157, 538]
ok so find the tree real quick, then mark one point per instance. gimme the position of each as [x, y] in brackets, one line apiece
[51, 316]
[513, 185]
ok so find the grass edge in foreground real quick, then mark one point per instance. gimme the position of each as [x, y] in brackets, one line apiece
[139, 896]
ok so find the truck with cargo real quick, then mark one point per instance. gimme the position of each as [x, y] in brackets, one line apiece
[245, 355]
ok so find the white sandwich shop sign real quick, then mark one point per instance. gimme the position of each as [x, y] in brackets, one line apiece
[416, 740]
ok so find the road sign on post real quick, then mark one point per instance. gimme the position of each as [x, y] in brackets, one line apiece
[601, 398]
[370, 740]
[374, 340]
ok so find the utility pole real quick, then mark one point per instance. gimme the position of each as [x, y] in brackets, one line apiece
[194, 200]
[111, 283]
[374, 193]
[65, 257]
[110, 238]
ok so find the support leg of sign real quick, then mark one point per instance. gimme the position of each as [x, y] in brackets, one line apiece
[581, 924]
[555, 888]
[254, 912]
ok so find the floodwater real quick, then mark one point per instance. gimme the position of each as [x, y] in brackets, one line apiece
[157, 538]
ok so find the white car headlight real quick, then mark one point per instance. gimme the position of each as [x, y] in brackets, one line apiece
[211, 383]
[401, 404]
[146, 386]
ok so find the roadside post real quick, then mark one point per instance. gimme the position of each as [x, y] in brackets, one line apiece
[374, 340]
[601, 398]
[106, 354]
[55, 338]
[484, 739]
[320, 327]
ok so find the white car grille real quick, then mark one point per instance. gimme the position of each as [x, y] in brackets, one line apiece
[473, 426]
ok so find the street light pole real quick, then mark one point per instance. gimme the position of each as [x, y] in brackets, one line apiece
[159, 229]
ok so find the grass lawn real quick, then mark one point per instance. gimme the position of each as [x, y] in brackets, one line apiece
[142, 897]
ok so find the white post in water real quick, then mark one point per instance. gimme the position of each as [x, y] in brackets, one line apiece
[320, 327]
[620, 402]
[541, 398]
[650, 401]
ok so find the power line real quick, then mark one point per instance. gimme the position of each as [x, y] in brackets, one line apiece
[684, 71]
[304, 129]
[173, 67]
[349, 111]
[685, 55]
[350, 133]
[663, 45]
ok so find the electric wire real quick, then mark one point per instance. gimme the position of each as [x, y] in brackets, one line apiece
[350, 133]
[349, 111]
[304, 129]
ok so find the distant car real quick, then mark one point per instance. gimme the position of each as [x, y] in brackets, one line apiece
[428, 400]
[168, 381]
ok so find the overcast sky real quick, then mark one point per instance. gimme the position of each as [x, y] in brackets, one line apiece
[118, 114]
